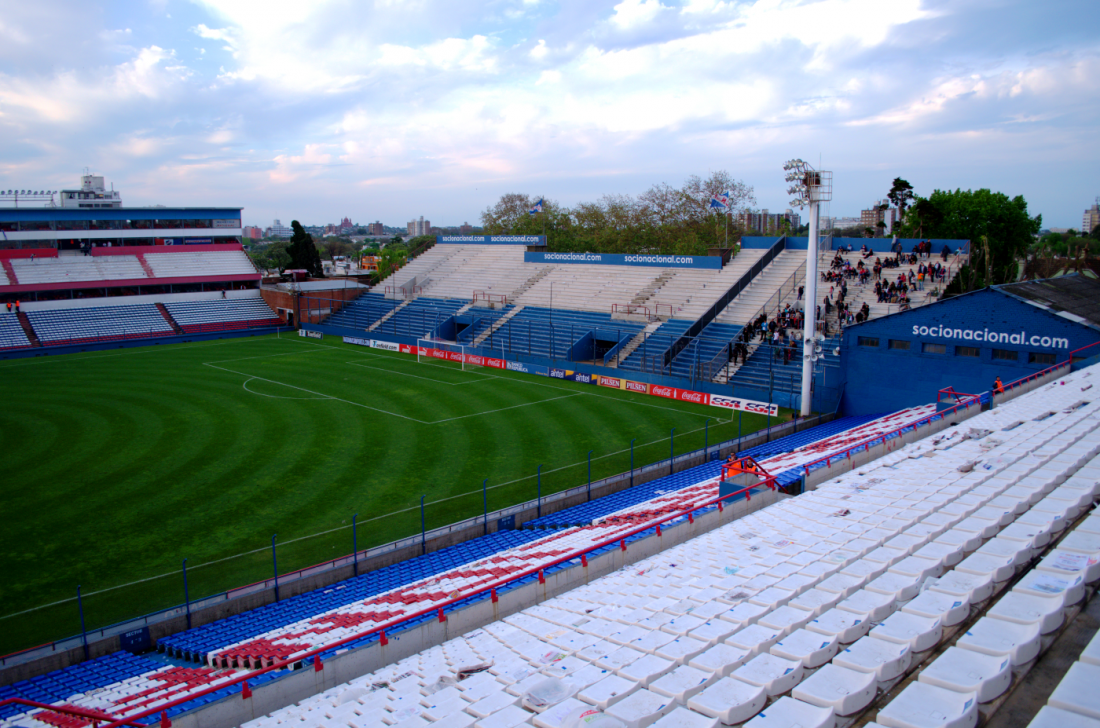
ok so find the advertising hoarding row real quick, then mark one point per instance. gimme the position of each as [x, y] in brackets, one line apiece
[733, 404]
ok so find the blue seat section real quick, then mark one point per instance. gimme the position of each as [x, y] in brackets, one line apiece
[363, 311]
[814, 434]
[552, 332]
[420, 317]
[586, 513]
[231, 313]
[196, 643]
[60, 685]
[704, 347]
[765, 370]
[12, 335]
[61, 326]
[655, 345]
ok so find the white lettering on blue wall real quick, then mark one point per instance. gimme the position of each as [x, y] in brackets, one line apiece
[992, 337]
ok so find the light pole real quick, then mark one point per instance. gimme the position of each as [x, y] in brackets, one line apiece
[809, 187]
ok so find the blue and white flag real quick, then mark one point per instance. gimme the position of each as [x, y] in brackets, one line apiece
[537, 208]
[719, 201]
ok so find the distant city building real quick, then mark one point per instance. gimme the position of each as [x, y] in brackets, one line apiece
[767, 222]
[1091, 219]
[841, 223]
[253, 232]
[345, 226]
[419, 227]
[465, 229]
[330, 229]
[376, 228]
[871, 218]
[278, 230]
[93, 193]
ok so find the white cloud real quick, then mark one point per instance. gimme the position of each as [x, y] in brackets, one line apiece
[632, 13]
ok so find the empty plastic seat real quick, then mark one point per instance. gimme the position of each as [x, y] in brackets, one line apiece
[641, 708]
[919, 633]
[921, 705]
[887, 660]
[844, 690]
[1050, 717]
[775, 674]
[966, 671]
[787, 712]
[730, 701]
[1077, 691]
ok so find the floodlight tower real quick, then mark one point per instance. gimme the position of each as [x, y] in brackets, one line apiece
[809, 187]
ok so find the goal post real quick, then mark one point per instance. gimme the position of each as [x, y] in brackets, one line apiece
[433, 351]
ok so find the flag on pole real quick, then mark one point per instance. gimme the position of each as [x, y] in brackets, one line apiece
[537, 208]
[719, 201]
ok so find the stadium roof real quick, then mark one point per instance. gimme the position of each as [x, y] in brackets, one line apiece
[1074, 296]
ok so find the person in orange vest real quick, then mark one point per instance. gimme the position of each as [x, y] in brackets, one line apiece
[9, 306]
[998, 388]
[17, 306]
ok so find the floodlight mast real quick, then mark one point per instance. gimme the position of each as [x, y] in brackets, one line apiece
[810, 187]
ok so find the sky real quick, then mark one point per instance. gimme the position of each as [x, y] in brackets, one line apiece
[392, 109]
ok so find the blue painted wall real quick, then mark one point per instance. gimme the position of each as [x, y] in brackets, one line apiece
[879, 378]
[883, 245]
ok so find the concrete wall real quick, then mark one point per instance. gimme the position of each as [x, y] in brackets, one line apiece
[134, 300]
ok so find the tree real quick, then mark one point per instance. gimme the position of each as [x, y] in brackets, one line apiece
[337, 246]
[970, 214]
[901, 193]
[303, 252]
[272, 256]
[393, 257]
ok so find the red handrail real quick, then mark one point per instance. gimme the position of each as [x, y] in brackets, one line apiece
[438, 608]
[1048, 370]
[92, 715]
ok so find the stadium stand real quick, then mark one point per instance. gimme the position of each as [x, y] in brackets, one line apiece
[234, 313]
[206, 263]
[12, 335]
[78, 268]
[807, 611]
[72, 325]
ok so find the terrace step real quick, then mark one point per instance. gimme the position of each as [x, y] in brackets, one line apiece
[27, 328]
[496, 325]
[145, 265]
[389, 314]
[167, 316]
[646, 293]
[542, 273]
[10, 271]
[634, 344]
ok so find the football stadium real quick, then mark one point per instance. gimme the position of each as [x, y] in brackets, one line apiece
[509, 486]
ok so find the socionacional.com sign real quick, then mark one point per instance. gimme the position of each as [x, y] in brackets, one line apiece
[652, 261]
[491, 239]
[1019, 338]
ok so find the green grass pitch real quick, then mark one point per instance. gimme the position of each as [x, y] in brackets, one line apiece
[120, 464]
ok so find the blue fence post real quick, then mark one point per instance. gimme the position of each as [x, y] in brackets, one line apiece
[186, 596]
[275, 565]
[354, 546]
[539, 475]
[83, 632]
[485, 503]
[671, 448]
[423, 529]
[706, 439]
[590, 476]
[632, 462]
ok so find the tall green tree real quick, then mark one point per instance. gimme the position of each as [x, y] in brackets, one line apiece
[303, 252]
[970, 214]
[901, 193]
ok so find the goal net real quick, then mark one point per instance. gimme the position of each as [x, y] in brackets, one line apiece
[438, 351]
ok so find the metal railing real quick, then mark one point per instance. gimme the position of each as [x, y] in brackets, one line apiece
[440, 608]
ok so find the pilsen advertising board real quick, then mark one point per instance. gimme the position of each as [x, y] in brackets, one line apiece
[657, 390]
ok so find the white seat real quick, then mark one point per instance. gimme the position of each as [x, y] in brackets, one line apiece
[785, 619]
[722, 659]
[1077, 691]
[755, 639]
[730, 701]
[1070, 589]
[713, 632]
[1049, 717]
[812, 649]
[607, 692]
[974, 587]
[683, 682]
[872, 606]
[844, 690]
[646, 669]
[642, 708]
[681, 651]
[681, 717]
[509, 717]
[886, 660]
[1018, 641]
[772, 673]
[948, 608]
[1091, 653]
[846, 626]
[996, 568]
[966, 671]
[555, 715]
[788, 712]
[927, 706]
[919, 633]
[1045, 612]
